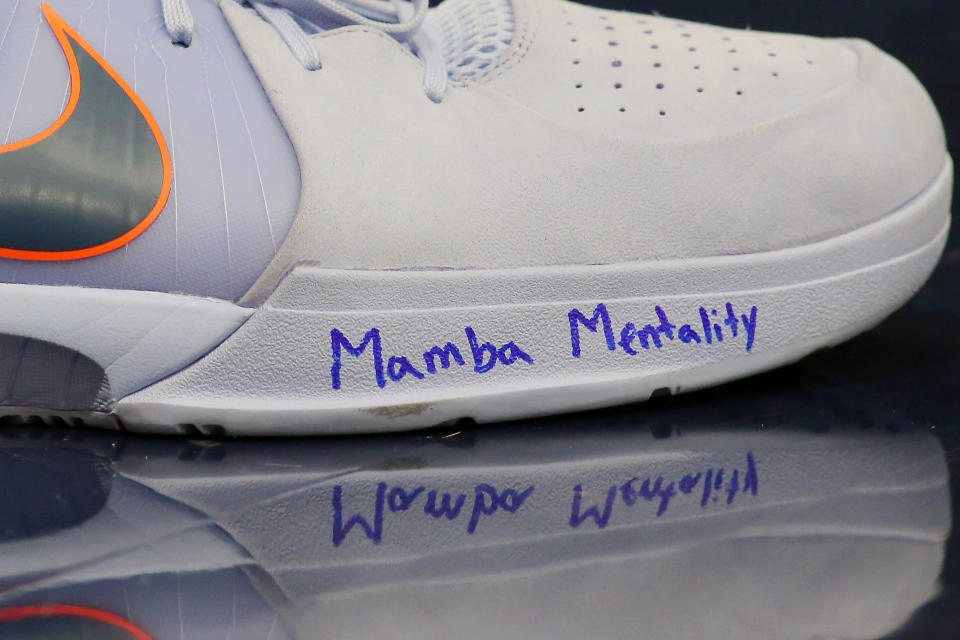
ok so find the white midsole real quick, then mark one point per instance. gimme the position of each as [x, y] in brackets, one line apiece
[277, 373]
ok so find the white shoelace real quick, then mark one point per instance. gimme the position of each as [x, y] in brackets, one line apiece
[401, 19]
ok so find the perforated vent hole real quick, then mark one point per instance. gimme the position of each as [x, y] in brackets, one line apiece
[641, 66]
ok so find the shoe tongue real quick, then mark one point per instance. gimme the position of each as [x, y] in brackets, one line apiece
[472, 34]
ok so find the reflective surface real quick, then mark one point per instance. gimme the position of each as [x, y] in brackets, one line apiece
[559, 529]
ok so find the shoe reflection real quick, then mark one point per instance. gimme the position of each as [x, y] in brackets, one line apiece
[565, 528]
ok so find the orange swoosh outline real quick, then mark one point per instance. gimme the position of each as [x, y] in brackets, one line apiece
[62, 30]
[19, 613]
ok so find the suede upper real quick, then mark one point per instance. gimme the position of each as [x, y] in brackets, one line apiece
[507, 171]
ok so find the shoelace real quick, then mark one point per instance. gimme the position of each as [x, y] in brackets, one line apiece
[405, 21]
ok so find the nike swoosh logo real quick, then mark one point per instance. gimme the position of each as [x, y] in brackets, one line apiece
[96, 179]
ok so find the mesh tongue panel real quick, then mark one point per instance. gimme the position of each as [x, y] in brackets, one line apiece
[472, 34]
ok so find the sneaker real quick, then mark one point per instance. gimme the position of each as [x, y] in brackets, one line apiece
[347, 215]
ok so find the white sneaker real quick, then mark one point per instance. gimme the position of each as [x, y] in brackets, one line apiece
[349, 215]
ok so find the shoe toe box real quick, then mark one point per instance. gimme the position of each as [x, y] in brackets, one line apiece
[777, 140]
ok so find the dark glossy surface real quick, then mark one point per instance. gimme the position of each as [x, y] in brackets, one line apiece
[840, 523]
[787, 511]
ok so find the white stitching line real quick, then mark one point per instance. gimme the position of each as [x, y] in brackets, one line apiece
[6, 32]
[23, 83]
[253, 146]
[223, 186]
